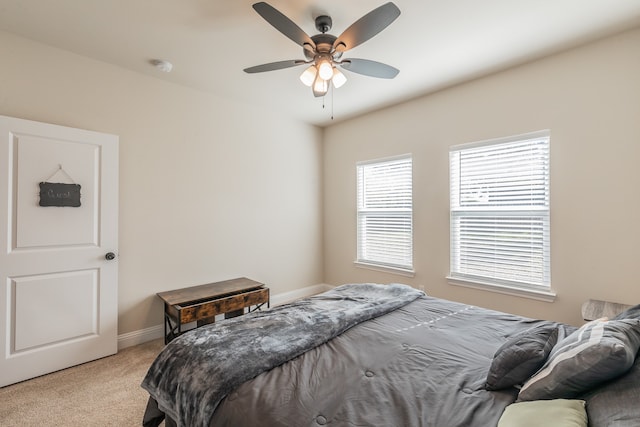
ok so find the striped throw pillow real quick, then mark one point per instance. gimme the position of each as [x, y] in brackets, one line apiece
[598, 351]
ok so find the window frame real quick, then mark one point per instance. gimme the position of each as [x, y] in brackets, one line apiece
[363, 258]
[537, 209]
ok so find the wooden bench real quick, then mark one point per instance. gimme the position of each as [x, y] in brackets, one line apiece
[201, 304]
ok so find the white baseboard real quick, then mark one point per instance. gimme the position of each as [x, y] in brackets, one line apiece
[140, 336]
[286, 297]
[130, 339]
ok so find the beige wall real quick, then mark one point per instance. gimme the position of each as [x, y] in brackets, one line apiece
[210, 189]
[590, 100]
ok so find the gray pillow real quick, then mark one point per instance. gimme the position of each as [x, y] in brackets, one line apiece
[599, 351]
[615, 403]
[521, 356]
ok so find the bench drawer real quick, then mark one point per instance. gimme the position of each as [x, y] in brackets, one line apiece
[207, 309]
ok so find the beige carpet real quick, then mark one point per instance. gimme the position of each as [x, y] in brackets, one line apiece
[105, 392]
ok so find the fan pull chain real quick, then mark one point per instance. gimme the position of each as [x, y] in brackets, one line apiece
[333, 90]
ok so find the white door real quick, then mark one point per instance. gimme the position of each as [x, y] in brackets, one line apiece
[58, 290]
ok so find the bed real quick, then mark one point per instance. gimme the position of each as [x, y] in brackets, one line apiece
[389, 355]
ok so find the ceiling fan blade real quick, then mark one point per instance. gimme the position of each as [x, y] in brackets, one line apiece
[367, 27]
[272, 66]
[369, 68]
[283, 24]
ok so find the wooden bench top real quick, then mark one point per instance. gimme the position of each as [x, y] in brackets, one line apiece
[209, 291]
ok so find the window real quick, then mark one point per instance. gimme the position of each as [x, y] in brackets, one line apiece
[384, 208]
[500, 214]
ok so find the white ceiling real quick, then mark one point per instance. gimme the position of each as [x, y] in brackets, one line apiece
[434, 43]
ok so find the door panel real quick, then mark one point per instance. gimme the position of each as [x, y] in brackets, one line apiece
[71, 163]
[43, 315]
[58, 295]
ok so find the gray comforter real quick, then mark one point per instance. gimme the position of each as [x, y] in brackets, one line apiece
[422, 364]
[197, 370]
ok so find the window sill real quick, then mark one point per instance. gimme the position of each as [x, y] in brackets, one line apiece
[546, 296]
[386, 269]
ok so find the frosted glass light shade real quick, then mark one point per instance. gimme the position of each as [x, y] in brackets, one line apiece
[309, 75]
[338, 78]
[320, 86]
[325, 70]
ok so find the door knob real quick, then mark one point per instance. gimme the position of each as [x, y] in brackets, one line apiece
[109, 256]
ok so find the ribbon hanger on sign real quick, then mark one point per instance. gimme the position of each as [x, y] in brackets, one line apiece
[58, 171]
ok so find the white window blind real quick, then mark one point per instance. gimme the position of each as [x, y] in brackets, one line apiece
[500, 212]
[384, 209]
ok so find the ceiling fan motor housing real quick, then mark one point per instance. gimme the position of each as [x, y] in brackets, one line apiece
[324, 44]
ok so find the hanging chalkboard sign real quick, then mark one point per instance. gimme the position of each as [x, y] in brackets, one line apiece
[59, 194]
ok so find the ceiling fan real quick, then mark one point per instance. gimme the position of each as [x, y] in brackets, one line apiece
[323, 52]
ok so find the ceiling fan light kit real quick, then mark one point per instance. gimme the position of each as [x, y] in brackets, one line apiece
[323, 52]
